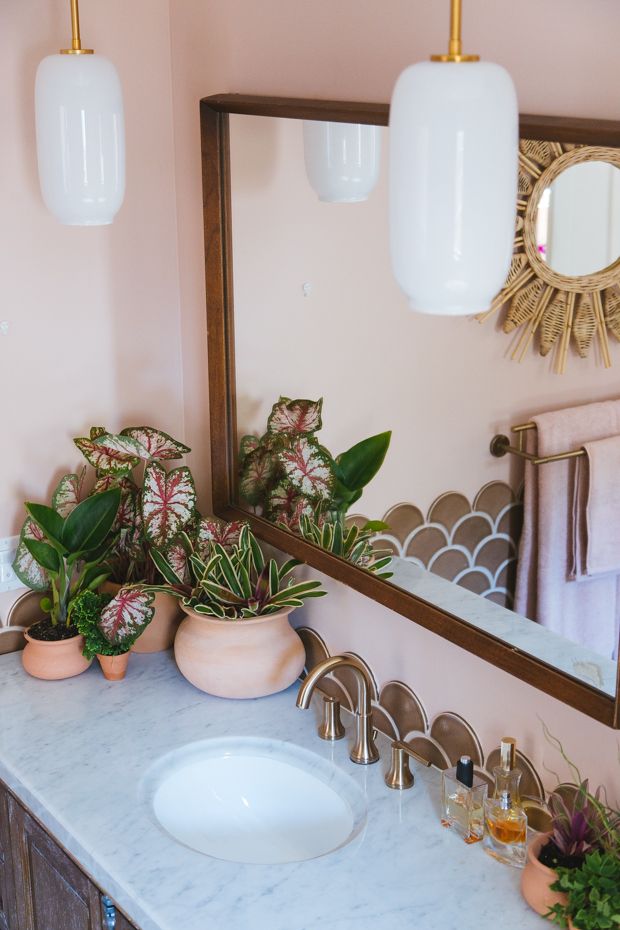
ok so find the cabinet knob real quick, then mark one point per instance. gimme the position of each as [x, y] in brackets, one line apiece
[109, 913]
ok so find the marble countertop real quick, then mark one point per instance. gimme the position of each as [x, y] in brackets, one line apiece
[78, 752]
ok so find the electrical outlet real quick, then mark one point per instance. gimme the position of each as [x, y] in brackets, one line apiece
[8, 579]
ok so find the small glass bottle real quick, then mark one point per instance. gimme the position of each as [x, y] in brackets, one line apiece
[505, 830]
[463, 799]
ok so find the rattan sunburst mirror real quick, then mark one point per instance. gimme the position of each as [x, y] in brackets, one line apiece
[546, 304]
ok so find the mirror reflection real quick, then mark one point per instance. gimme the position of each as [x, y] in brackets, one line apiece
[578, 220]
[319, 317]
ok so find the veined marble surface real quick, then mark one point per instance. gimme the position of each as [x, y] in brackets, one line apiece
[78, 753]
[507, 626]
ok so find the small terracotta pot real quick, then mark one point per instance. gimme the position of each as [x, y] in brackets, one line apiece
[536, 879]
[53, 661]
[159, 634]
[114, 668]
[239, 658]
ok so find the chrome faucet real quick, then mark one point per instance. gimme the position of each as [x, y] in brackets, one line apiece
[364, 751]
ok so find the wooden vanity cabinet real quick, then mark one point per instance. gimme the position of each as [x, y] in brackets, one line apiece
[41, 887]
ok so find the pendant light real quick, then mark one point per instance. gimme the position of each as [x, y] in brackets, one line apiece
[80, 134]
[454, 134]
[342, 160]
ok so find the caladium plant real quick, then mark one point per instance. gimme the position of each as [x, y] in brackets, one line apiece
[287, 473]
[156, 504]
[110, 625]
[232, 579]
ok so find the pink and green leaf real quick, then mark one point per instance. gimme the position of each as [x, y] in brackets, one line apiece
[256, 474]
[214, 531]
[25, 565]
[177, 558]
[127, 615]
[247, 445]
[158, 445]
[68, 493]
[97, 431]
[295, 416]
[308, 467]
[168, 502]
[115, 455]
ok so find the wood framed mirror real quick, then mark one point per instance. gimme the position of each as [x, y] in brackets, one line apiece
[429, 601]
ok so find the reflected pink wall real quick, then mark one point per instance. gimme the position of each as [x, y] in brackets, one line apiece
[93, 313]
[562, 55]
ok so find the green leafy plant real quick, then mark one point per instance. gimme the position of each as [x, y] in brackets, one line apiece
[234, 581]
[156, 505]
[352, 543]
[593, 891]
[109, 628]
[286, 473]
[64, 551]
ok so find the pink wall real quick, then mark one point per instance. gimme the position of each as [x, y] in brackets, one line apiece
[93, 313]
[562, 56]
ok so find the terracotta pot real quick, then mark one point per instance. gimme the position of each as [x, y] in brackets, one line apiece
[160, 632]
[52, 661]
[537, 878]
[114, 668]
[239, 658]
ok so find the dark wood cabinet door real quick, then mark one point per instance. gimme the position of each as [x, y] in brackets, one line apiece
[8, 920]
[52, 892]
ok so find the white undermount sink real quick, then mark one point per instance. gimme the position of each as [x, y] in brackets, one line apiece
[255, 801]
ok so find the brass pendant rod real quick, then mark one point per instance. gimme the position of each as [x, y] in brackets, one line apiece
[76, 41]
[455, 46]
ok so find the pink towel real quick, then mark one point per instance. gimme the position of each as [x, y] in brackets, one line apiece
[596, 518]
[584, 613]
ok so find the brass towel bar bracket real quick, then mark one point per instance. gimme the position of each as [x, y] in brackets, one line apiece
[500, 446]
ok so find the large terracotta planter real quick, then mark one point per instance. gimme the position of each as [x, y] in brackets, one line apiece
[53, 661]
[159, 634]
[537, 878]
[114, 668]
[239, 658]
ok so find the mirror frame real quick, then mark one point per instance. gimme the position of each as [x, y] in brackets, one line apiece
[216, 184]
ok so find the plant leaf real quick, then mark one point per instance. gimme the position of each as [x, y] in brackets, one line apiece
[214, 531]
[68, 493]
[127, 615]
[88, 524]
[50, 522]
[248, 444]
[359, 464]
[309, 468]
[257, 472]
[295, 416]
[158, 445]
[164, 567]
[97, 431]
[44, 554]
[25, 566]
[168, 502]
[109, 454]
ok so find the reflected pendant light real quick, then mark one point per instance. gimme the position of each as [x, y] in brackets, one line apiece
[80, 134]
[342, 160]
[454, 135]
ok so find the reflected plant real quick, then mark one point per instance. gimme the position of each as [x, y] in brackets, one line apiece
[352, 543]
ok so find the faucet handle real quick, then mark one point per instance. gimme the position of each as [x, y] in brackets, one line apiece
[331, 728]
[400, 775]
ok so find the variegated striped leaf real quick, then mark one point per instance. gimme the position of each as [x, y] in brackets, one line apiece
[308, 467]
[248, 444]
[25, 567]
[127, 615]
[286, 505]
[178, 560]
[295, 416]
[168, 502]
[158, 445]
[214, 531]
[68, 493]
[115, 455]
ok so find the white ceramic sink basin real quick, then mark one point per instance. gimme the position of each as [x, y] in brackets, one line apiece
[255, 801]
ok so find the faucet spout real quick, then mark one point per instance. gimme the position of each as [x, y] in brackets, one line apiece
[364, 751]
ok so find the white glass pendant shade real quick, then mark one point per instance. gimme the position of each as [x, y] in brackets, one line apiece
[454, 134]
[342, 160]
[80, 138]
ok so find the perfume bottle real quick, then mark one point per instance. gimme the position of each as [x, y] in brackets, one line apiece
[505, 830]
[505, 822]
[463, 798]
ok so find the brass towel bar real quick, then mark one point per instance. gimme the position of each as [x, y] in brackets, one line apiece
[500, 445]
